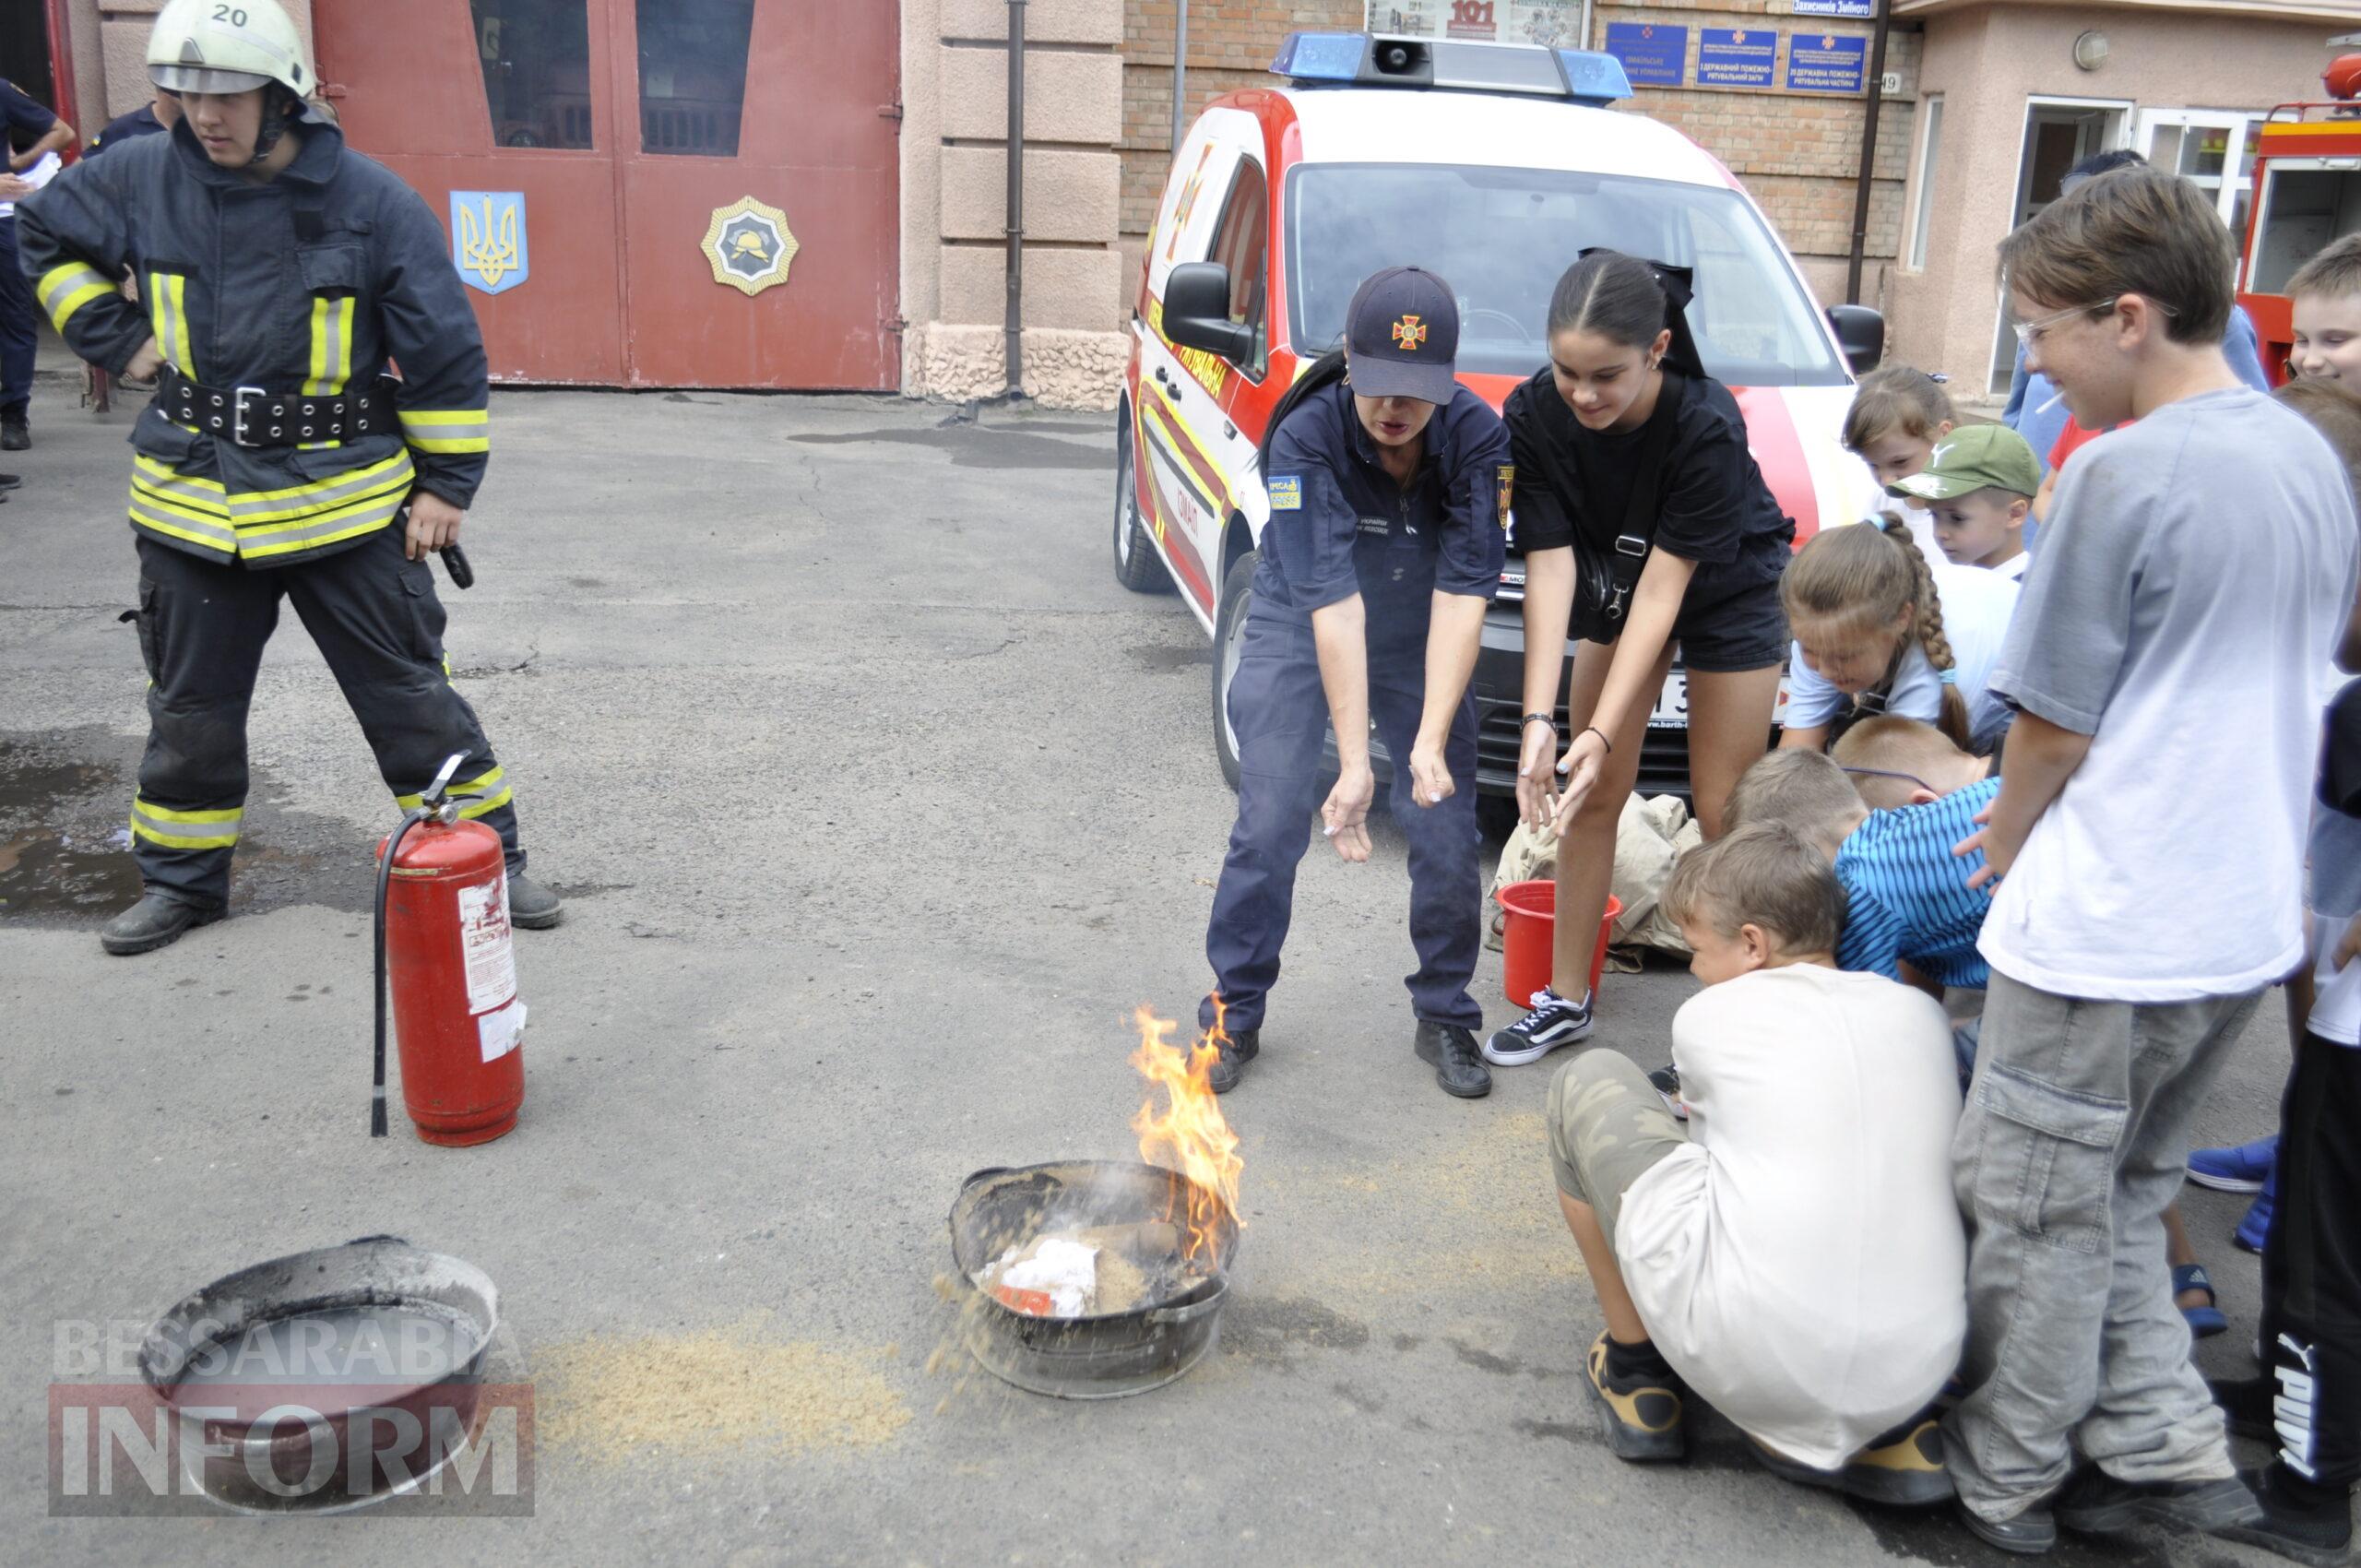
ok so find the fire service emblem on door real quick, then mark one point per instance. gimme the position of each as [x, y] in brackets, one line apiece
[749, 245]
[488, 239]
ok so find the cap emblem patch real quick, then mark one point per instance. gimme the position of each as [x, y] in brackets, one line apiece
[1410, 332]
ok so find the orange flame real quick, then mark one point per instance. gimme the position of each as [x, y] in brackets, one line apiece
[1190, 1135]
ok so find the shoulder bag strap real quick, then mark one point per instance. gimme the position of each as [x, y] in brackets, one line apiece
[1632, 545]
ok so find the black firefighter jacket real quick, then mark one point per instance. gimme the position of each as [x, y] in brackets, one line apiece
[308, 284]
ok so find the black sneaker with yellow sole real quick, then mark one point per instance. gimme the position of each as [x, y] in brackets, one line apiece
[1641, 1414]
[1904, 1468]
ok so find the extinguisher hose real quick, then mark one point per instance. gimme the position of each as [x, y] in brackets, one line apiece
[385, 882]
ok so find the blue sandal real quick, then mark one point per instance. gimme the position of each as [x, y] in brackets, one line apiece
[2206, 1321]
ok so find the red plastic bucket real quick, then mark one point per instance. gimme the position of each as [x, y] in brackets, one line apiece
[1532, 914]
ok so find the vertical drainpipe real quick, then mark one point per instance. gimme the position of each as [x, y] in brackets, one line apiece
[1869, 158]
[1180, 72]
[1014, 327]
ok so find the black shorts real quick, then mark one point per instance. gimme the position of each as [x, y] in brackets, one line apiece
[1724, 629]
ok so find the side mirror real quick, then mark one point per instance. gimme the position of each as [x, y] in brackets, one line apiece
[1197, 312]
[1860, 332]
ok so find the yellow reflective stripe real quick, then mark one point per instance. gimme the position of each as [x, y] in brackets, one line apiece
[65, 290]
[168, 292]
[213, 517]
[314, 531]
[168, 476]
[331, 346]
[185, 830]
[181, 841]
[448, 430]
[486, 807]
[331, 499]
[223, 540]
[243, 503]
[473, 787]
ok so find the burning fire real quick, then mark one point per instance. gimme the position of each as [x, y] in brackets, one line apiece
[1190, 1135]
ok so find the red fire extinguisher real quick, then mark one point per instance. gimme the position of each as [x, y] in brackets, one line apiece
[443, 938]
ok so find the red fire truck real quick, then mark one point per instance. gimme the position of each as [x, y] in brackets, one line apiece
[2307, 193]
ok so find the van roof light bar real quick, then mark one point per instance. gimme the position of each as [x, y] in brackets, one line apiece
[1454, 65]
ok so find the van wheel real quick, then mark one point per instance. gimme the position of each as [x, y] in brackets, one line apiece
[1229, 638]
[1136, 566]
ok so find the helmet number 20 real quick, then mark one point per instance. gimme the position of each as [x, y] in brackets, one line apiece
[234, 16]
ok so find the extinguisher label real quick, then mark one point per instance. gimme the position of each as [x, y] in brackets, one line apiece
[484, 937]
[500, 1033]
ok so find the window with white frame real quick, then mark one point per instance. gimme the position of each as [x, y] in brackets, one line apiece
[2213, 149]
[1930, 143]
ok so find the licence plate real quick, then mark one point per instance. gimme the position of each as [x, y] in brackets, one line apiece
[1672, 703]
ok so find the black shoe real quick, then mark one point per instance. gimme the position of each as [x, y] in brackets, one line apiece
[532, 905]
[2095, 1503]
[1904, 1468]
[1450, 1049]
[10, 482]
[16, 436]
[1642, 1414]
[1234, 1052]
[2319, 1534]
[1553, 1022]
[155, 922]
[2030, 1534]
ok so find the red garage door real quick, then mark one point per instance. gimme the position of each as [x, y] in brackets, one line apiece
[646, 193]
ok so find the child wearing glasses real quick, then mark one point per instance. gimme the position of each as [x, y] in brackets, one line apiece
[2139, 769]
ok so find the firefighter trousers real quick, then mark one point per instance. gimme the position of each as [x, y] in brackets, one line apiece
[375, 619]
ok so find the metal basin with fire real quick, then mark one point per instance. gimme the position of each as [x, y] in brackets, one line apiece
[1178, 1235]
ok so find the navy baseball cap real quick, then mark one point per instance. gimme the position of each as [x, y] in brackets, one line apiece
[1402, 331]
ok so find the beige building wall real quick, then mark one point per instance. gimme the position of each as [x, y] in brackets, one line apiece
[1988, 61]
[110, 53]
[955, 174]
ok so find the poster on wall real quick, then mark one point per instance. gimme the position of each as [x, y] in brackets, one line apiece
[1653, 54]
[1737, 57]
[1861, 9]
[1827, 63]
[1553, 23]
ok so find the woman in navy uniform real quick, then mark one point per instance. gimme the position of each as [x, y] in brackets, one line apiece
[1388, 485]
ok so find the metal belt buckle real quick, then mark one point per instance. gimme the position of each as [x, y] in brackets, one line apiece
[238, 414]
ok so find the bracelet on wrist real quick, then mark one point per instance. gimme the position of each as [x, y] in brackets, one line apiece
[1551, 720]
[1594, 729]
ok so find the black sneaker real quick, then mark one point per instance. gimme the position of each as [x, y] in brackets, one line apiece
[2029, 1534]
[1553, 1022]
[1667, 1082]
[2095, 1503]
[2320, 1533]
[1234, 1051]
[10, 482]
[16, 436]
[1904, 1468]
[1642, 1414]
[1450, 1049]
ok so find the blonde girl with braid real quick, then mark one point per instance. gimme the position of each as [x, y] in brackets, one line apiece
[1880, 629]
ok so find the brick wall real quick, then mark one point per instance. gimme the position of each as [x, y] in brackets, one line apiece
[1795, 151]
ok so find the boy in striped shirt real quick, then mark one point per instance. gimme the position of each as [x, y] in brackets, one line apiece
[1887, 805]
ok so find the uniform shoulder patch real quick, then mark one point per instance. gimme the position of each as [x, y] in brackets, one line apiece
[1507, 484]
[1285, 491]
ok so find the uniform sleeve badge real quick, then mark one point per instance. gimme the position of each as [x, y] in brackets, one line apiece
[1285, 491]
[1507, 484]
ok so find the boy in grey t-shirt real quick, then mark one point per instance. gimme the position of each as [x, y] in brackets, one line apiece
[2148, 836]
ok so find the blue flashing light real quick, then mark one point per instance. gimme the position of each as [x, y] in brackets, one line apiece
[1593, 78]
[1322, 56]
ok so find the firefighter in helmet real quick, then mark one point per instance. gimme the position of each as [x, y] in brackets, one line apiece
[277, 272]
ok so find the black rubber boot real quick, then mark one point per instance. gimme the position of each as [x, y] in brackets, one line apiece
[1459, 1068]
[16, 436]
[154, 921]
[532, 905]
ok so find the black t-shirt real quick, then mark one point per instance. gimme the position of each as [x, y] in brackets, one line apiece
[1712, 506]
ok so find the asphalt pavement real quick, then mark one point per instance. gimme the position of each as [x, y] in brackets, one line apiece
[878, 805]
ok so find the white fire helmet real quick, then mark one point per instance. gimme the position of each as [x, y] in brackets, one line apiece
[210, 46]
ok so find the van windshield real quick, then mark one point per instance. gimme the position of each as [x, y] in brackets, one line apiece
[1502, 236]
